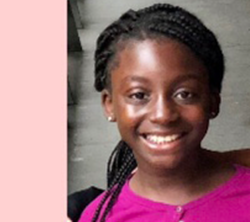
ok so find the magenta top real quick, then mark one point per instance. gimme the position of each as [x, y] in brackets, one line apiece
[230, 202]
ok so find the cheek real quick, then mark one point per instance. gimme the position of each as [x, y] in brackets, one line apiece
[128, 116]
[197, 117]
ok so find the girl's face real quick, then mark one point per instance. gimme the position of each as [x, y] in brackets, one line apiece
[161, 101]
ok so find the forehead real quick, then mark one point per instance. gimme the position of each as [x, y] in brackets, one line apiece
[155, 56]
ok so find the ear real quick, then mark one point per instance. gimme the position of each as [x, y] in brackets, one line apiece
[107, 104]
[215, 104]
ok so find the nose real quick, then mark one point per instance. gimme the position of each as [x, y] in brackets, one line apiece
[163, 111]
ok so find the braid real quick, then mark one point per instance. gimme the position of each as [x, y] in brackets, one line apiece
[116, 159]
[157, 21]
[112, 165]
[106, 49]
[118, 181]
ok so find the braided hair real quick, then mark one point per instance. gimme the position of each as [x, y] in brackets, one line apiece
[156, 21]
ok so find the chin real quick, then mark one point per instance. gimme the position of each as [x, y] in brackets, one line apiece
[162, 163]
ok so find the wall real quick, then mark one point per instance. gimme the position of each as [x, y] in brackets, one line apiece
[92, 138]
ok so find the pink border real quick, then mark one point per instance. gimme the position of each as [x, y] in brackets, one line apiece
[33, 110]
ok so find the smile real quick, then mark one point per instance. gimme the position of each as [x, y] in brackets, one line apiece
[163, 142]
[162, 139]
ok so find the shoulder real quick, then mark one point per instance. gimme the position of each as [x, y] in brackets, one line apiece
[240, 156]
[240, 184]
[244, 173]
[89, 211]
[78, 201]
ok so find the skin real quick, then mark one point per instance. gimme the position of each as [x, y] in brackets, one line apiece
[241, 157]
[159, 87]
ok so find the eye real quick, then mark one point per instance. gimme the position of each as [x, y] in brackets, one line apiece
[184, 95]
[139, 96]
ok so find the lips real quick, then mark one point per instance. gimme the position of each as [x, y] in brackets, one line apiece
[161, 141]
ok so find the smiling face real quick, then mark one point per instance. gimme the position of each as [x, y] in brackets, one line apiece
[161, 101]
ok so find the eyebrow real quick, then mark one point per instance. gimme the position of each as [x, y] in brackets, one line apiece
[183, 78]
[191, 76]
[135, 79]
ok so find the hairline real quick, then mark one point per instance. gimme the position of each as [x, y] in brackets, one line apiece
[123, 42]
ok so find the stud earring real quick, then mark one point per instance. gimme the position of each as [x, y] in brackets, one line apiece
[110, 119]
[213, 114]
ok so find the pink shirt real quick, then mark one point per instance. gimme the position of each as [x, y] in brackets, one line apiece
[228, 203]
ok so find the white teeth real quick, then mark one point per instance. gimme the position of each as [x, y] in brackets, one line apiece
[162, 139]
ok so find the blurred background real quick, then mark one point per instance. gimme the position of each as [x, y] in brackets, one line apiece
[91, 138]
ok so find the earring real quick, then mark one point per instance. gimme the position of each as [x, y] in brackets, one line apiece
[110, 119]
[213, 114]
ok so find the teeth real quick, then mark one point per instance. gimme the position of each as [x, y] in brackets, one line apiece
[162, 139]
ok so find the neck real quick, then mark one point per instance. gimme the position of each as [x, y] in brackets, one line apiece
[177, 185]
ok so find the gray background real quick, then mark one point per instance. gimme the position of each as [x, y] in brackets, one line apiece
[91, 138]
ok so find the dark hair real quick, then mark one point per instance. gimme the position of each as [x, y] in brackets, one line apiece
[157, 21]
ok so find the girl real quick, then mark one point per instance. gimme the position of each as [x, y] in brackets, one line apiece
[160, 72]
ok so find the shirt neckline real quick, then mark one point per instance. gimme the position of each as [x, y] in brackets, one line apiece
[232, 182]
